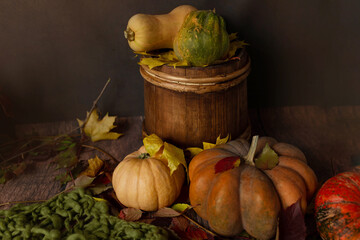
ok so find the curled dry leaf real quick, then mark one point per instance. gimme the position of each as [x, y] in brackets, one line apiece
[130, 214]
[95, 164]
[166, 212]
[292, 223]
[83, 181]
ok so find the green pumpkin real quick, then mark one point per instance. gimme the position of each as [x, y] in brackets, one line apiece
[202, 38]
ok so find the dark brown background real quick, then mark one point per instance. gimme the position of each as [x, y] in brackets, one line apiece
[57, 55]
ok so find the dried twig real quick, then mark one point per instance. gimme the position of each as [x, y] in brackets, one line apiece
[100, 150]
[62, 135]
[95, 103]
[199, 226]
[34, 201]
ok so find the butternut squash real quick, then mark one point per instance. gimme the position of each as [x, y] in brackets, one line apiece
[146, 32]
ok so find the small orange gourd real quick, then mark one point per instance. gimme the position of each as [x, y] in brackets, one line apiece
[145, 182]
[246, 197]
[146, 32]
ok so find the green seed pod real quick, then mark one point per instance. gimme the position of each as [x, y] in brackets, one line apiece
[55, 234]
[45, 211]
[57, 221]
[133, 233]
[76, 236]
[2, 225]
[102, 206]
[62, 212]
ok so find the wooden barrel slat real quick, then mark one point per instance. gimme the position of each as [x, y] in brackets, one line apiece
[187, 115]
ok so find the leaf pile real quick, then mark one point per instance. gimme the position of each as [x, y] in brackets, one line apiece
[169, 58]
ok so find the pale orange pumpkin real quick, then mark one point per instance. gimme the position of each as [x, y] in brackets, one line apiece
[145, 182]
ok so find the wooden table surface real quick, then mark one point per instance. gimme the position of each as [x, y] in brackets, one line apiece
[329, 137]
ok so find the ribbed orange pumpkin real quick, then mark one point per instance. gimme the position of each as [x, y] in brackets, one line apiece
[245, 197]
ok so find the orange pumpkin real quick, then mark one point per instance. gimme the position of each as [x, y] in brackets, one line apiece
[245, 197]
[145, 182]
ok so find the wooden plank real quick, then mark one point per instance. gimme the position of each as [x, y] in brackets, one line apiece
[38, 181]
[327, 135]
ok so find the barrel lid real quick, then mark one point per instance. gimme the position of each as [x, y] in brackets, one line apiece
[200, 79]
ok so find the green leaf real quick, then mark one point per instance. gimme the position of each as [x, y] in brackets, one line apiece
[63, 178]
[268, 158]
[2, 176]
[67, 158]
[181, 207]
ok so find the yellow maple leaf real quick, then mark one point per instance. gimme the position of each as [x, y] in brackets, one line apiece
[152, 144]
[194, 151]
[168, 56]
[98, 129]
[233, 36]
[152, 62]
[174, 155]
[206, 145]
[219, 141]
[95, 164]
[234, 46]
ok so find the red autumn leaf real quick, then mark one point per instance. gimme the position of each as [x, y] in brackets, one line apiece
[103, 178]
[292, 223]
[194, 233]
[227, 164]
[130, 214]
[179, 224]
[182, 227]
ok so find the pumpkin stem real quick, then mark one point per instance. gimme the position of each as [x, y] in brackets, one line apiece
[129, 34]
[249, 158]
[144, 155]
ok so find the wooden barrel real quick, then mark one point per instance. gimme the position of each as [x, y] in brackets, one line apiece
[189, 105]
